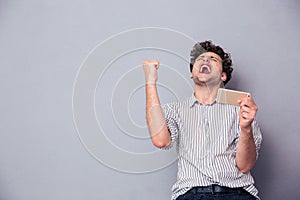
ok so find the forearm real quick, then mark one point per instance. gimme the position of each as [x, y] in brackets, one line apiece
[159, 133]
[246, 150]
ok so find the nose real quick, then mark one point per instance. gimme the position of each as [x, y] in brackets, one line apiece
[205, 59]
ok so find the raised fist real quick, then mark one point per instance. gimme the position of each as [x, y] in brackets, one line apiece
[150, 70]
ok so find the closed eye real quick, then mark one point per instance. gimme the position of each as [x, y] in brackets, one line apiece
[213, 59]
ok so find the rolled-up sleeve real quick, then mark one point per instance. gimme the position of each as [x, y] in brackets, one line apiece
[257, 135]
[171, 117]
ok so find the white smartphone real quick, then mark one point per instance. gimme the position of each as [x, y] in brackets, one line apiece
[231, 97]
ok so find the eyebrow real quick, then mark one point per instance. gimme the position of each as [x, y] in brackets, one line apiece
[209, 56]
[201, 56]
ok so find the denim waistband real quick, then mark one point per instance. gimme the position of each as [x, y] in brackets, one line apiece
[216, 189]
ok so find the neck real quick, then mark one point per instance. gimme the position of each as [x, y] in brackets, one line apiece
[206, 94]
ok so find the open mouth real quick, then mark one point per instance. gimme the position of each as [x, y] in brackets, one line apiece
[205, 69]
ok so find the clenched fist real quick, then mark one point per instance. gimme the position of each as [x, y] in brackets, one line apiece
[150, 70]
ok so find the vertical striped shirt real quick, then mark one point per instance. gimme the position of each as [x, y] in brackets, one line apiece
[206, 138]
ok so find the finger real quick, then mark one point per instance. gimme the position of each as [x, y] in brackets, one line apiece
[249, 108]
[246, 101]
[151, 62]
[244, 115]
[247, 113]
[242, 100]
[245, 109]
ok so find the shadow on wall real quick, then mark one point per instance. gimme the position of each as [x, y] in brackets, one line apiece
[263, 172]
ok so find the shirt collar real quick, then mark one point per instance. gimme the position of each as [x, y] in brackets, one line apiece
[193, 100]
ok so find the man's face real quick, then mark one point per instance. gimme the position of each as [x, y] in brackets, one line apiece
[208, 69]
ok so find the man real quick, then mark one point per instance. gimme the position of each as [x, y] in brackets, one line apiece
[217, 143]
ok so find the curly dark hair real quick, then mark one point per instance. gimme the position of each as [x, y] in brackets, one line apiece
[208, 46]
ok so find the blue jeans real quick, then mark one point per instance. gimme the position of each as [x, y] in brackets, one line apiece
[192, 195]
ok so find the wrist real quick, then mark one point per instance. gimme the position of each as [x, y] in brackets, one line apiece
[246, 129]
[150, 83]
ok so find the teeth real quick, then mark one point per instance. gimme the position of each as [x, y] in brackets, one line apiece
[204, 67]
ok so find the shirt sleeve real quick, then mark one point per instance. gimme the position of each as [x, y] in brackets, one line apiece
[257, 135]
[171, 117]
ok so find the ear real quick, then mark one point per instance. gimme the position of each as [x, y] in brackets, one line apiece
[223, 76]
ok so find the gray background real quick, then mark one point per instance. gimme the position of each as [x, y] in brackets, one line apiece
[42, 45]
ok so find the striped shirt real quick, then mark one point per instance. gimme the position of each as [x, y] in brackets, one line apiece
[206, 138]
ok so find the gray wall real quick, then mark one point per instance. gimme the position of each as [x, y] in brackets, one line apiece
[43, 47]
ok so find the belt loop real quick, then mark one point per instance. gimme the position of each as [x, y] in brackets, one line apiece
[212, 189]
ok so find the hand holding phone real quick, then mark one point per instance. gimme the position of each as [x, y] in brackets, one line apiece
[231, 97]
